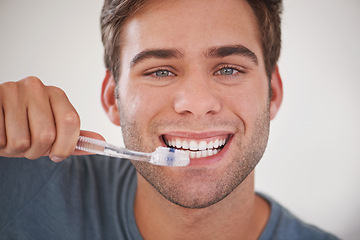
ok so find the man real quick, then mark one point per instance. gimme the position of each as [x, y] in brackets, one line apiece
[194, 75]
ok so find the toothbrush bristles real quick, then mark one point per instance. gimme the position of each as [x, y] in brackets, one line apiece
[170, 157]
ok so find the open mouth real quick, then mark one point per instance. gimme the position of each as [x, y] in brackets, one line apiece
[197, 148]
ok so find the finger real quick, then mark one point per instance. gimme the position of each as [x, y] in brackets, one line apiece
[42, 125]
[67, 124]
[90, 135]
[16, 123]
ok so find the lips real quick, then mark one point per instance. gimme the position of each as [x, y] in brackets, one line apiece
[197, 148]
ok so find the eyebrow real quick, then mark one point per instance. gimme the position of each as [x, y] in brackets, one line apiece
[156, 53]
[224, 51]
[215, 52]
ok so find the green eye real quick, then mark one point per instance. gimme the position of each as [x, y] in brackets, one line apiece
[162, 73]
[226, 71]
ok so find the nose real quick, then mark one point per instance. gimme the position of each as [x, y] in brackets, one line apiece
[197, 96]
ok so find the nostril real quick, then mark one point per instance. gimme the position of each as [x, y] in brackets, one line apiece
[199, 103]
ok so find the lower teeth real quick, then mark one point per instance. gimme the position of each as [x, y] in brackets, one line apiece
[204, 153]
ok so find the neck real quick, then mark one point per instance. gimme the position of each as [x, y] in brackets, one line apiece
[241, 215]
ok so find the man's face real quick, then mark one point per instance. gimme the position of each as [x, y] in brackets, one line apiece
[193, 76]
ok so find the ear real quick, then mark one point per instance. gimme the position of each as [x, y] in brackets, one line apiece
[108, 99]
[277, 92]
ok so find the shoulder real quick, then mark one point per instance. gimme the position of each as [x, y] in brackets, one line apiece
[282, 225]
[63, 196]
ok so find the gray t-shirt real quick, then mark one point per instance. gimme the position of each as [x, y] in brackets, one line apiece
[92, 197]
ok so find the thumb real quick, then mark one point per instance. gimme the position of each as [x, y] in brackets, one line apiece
[90, 135]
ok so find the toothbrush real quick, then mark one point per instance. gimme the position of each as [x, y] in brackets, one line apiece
[162, 156]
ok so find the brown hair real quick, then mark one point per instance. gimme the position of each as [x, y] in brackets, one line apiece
[116, 12]
[268, 13]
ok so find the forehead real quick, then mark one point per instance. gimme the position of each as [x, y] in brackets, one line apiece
[191, 25]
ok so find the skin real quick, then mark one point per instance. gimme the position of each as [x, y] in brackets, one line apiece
[192, 99]
[214, 197]
[38, 120]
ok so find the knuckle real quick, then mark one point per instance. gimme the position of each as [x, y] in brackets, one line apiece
[71, 118]
[22, 144]
[32, 81]
[46, 136]
[33, 85]
[9, 88]
[29, 84]
[56, 90]
[18, 146]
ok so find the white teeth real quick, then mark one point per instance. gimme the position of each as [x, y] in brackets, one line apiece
[204, 153]
[193, 145]
[196, 146]
[216, 143]
[178, 143]
[198, 149]
[185, 145]
[202, 145]
[210, 145]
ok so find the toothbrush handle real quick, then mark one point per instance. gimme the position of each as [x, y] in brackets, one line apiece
[103, 148]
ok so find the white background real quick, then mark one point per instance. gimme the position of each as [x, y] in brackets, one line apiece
[312, 163]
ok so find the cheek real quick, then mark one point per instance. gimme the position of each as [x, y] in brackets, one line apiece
[130, 104]
[141, 103]
[248, 102]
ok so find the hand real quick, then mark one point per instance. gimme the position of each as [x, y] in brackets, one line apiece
[38, 120]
